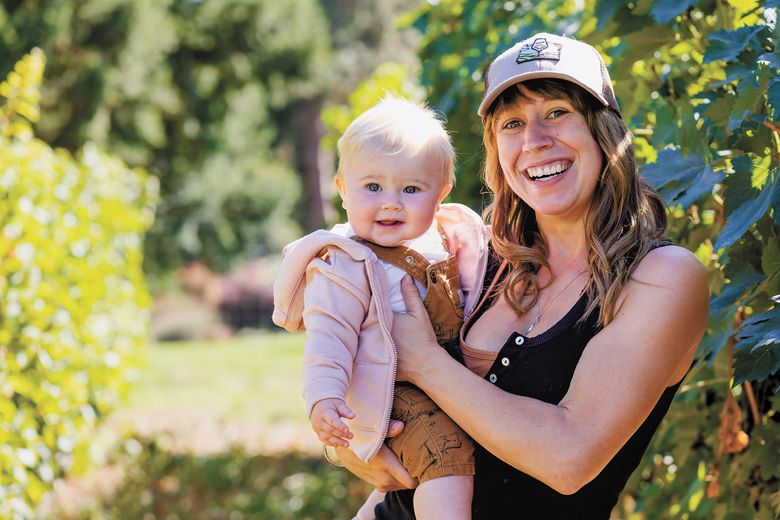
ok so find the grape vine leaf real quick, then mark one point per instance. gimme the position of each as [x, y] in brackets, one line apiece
[720, 108]
[770, 58]
[760, 330]
[757, 351]
[773, 94]
[740, 281]
[680, 179]
[726, 45]
[770, 257]
[605, 10]
[736, 71]
[748, 101]
[756, 365]
[718, 332]
[750, 210]
[665, 131]
[665, 10]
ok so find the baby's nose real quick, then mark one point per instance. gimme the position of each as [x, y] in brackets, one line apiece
[392, 202]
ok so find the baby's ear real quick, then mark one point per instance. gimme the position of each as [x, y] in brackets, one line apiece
[446, 189]
[340, 185]
[342, 189]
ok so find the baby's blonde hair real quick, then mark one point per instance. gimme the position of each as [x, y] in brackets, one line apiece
[396, 126]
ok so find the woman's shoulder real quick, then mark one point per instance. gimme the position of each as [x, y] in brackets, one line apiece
[671, 266]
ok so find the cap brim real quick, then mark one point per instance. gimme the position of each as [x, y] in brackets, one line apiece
[525, 76]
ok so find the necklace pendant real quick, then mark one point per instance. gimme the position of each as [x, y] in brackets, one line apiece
[539, 315]
[532, 325]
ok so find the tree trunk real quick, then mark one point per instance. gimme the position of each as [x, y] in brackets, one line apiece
[311, 131]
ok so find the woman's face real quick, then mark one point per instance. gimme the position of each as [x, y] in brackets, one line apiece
[548, 155]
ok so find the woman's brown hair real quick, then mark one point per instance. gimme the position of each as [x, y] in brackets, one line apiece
[625, 219]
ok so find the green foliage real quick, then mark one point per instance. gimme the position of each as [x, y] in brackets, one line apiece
[683, 179]
[698, 84]
[388, 78]
[757, 355]
[74, 306]
[160, 482]
[364, 36]
[204, 95]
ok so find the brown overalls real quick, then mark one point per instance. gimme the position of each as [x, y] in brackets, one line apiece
[431, 445]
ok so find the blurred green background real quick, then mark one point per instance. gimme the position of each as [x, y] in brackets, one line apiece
[156, 155]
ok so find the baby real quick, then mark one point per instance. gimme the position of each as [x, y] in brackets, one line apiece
[343, 286]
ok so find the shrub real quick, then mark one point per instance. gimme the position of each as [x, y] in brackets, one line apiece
[160, 483]
[73, 310]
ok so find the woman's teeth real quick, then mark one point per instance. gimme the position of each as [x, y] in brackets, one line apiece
[549, 170]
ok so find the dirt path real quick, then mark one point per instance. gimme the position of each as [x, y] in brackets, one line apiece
[199, 433]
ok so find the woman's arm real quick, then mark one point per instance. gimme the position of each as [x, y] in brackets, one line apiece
[384, 471]
[619, 378]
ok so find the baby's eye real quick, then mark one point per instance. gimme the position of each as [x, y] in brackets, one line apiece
[411, 189]
[372, 186]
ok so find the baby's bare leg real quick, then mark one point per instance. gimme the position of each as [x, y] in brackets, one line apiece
[445, 497]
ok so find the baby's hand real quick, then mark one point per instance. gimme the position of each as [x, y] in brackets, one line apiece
[327, 424]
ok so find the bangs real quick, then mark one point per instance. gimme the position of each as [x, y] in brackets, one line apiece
[547, 88]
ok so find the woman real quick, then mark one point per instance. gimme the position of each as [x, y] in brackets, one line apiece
[589, 320]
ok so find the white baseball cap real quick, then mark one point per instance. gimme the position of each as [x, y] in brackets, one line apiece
[549, 56]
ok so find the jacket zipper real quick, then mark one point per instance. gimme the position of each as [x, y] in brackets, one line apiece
[479, 282]
[383, 324]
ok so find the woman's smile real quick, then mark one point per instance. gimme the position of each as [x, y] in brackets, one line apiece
[549, 171]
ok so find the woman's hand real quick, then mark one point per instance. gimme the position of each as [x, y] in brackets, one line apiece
[384, 471]
[413, 334]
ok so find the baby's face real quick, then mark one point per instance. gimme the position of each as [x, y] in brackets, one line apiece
[391, 198]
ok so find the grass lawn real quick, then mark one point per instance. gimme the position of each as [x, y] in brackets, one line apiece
[256, 377]
[213, 431]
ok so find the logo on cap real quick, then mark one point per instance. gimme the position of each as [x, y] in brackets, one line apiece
[540, 49]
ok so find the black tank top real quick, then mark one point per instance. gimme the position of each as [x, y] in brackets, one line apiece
[542, 367]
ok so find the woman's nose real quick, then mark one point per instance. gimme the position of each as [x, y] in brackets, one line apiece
[536, 136]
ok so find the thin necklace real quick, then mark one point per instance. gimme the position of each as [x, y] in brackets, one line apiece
[539, 315]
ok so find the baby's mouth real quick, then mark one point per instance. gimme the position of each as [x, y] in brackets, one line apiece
[548, 171]
[389, 222]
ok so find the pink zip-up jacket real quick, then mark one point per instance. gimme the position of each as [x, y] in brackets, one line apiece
[348, 352]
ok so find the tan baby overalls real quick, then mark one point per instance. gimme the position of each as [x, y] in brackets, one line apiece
[431, 445]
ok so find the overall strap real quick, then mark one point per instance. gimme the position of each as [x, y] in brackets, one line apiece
[402, 257]
[488, 293]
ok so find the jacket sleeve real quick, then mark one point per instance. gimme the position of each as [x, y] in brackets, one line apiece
[336, 301]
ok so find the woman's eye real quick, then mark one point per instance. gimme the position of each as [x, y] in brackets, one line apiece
[514, 123]
[411, 189]
[372, 186]
[556, 113]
